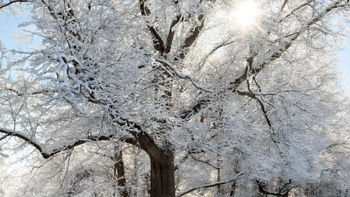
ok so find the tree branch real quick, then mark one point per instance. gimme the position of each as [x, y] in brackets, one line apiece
[262, 106]
[158, 42]
[27, 139]
[295, 9]
[205, 162]
[210, 185]
[5, 136]
[47, 154]
[192, 38]
[11, 2]
[171, 29]
[284, 4]
[285, 189]
[182, 76]
[255, 69]
[30, 93]
[223, 44]
[145, 140]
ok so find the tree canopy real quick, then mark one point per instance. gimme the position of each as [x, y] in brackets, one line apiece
[168, 98]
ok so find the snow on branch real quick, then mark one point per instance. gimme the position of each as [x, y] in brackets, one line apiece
[182, 76]
[47, 154]
[11, 2]
[23, 137]
[254, 70]
[211, 185]
[18, 93]
[158, 42]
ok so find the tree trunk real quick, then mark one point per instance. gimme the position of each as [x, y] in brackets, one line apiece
[162, 164]
[119, 172]
[285, 195]
[162, 176]
[233, 189]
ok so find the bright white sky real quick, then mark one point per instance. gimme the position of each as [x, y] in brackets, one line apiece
[344, 59]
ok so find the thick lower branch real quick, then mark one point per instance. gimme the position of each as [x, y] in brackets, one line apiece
[48, 154]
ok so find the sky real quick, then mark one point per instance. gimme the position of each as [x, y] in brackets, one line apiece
[344, 60]
[9, 30]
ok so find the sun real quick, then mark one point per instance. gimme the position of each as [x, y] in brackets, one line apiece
[246, 14]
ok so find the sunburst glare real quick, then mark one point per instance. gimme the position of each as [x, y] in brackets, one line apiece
[246, 14]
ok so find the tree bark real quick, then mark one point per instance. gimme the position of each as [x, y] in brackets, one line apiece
[162, 164]
[119, 172]
[233, 189]
[163, 176]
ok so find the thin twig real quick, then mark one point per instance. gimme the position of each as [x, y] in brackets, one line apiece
[182, 76]
[210, 185]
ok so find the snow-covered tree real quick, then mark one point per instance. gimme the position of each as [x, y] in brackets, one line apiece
[154, 97]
